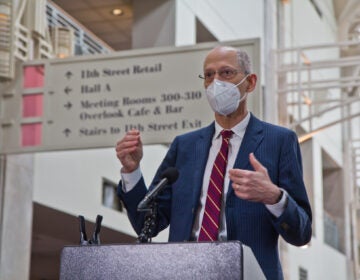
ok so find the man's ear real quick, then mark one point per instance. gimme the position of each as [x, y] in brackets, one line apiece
[252, 79]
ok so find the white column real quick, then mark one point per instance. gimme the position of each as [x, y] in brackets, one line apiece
[16, 217]
[185, 24]
[270, 112]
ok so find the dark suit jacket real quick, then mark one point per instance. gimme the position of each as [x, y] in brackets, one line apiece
[251, 223]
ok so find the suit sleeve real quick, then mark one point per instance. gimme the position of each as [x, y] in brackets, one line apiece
[132, 198]
[294, 225]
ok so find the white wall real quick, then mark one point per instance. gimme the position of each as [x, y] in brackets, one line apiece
[303, 26]
[229, 20]
[320, 260]
[71, 182]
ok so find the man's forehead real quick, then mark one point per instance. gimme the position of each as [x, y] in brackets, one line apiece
[224, 48]
[226, 55]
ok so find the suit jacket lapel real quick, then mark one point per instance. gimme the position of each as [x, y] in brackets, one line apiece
[252, 138]
[202, 147]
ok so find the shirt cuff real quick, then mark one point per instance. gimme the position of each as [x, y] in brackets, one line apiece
[129, 180]
[278, 208]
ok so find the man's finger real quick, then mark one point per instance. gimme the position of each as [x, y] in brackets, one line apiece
[256, 164]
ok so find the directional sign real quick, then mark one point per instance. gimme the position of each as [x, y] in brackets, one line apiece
[92, 101]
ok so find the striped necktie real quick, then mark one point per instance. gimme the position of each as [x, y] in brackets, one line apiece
[211, 220]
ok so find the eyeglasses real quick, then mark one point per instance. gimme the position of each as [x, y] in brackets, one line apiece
[224, 73]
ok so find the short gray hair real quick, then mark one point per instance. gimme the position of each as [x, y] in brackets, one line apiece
[244, 61]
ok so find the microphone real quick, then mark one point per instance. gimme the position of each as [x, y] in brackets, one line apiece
[169, 176]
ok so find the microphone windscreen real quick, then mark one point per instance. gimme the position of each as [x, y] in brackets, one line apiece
[171, 174]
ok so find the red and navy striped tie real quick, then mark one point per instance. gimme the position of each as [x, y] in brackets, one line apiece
[211, 220]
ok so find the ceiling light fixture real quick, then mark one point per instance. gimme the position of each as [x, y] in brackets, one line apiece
[117, 12]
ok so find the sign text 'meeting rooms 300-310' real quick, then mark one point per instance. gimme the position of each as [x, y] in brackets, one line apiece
[129, 106]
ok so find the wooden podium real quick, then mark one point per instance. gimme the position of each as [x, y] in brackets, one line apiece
[188, 260]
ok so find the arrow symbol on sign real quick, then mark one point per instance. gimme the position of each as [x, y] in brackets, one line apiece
[67, 132]
[67, 90]
[68, 105]
[68, 74]
[51, 92]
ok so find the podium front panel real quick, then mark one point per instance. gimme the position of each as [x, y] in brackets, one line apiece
[188, 260]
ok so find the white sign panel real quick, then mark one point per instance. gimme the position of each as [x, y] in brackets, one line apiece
[93, 101]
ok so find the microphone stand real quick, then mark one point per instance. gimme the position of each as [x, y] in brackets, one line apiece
[95, 240]
[83, 236]
[149, 224]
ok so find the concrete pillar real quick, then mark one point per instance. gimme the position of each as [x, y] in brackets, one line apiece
[269, 108]
[185, 23]
[16, 187]
[282, 98]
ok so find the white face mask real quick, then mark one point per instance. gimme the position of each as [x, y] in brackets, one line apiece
[224, 97]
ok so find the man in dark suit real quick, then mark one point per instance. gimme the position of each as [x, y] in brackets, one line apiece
[262, 193]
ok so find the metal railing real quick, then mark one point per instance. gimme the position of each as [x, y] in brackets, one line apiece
[316, 80]
[85, 42]
[18, 42]
[318, 88]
